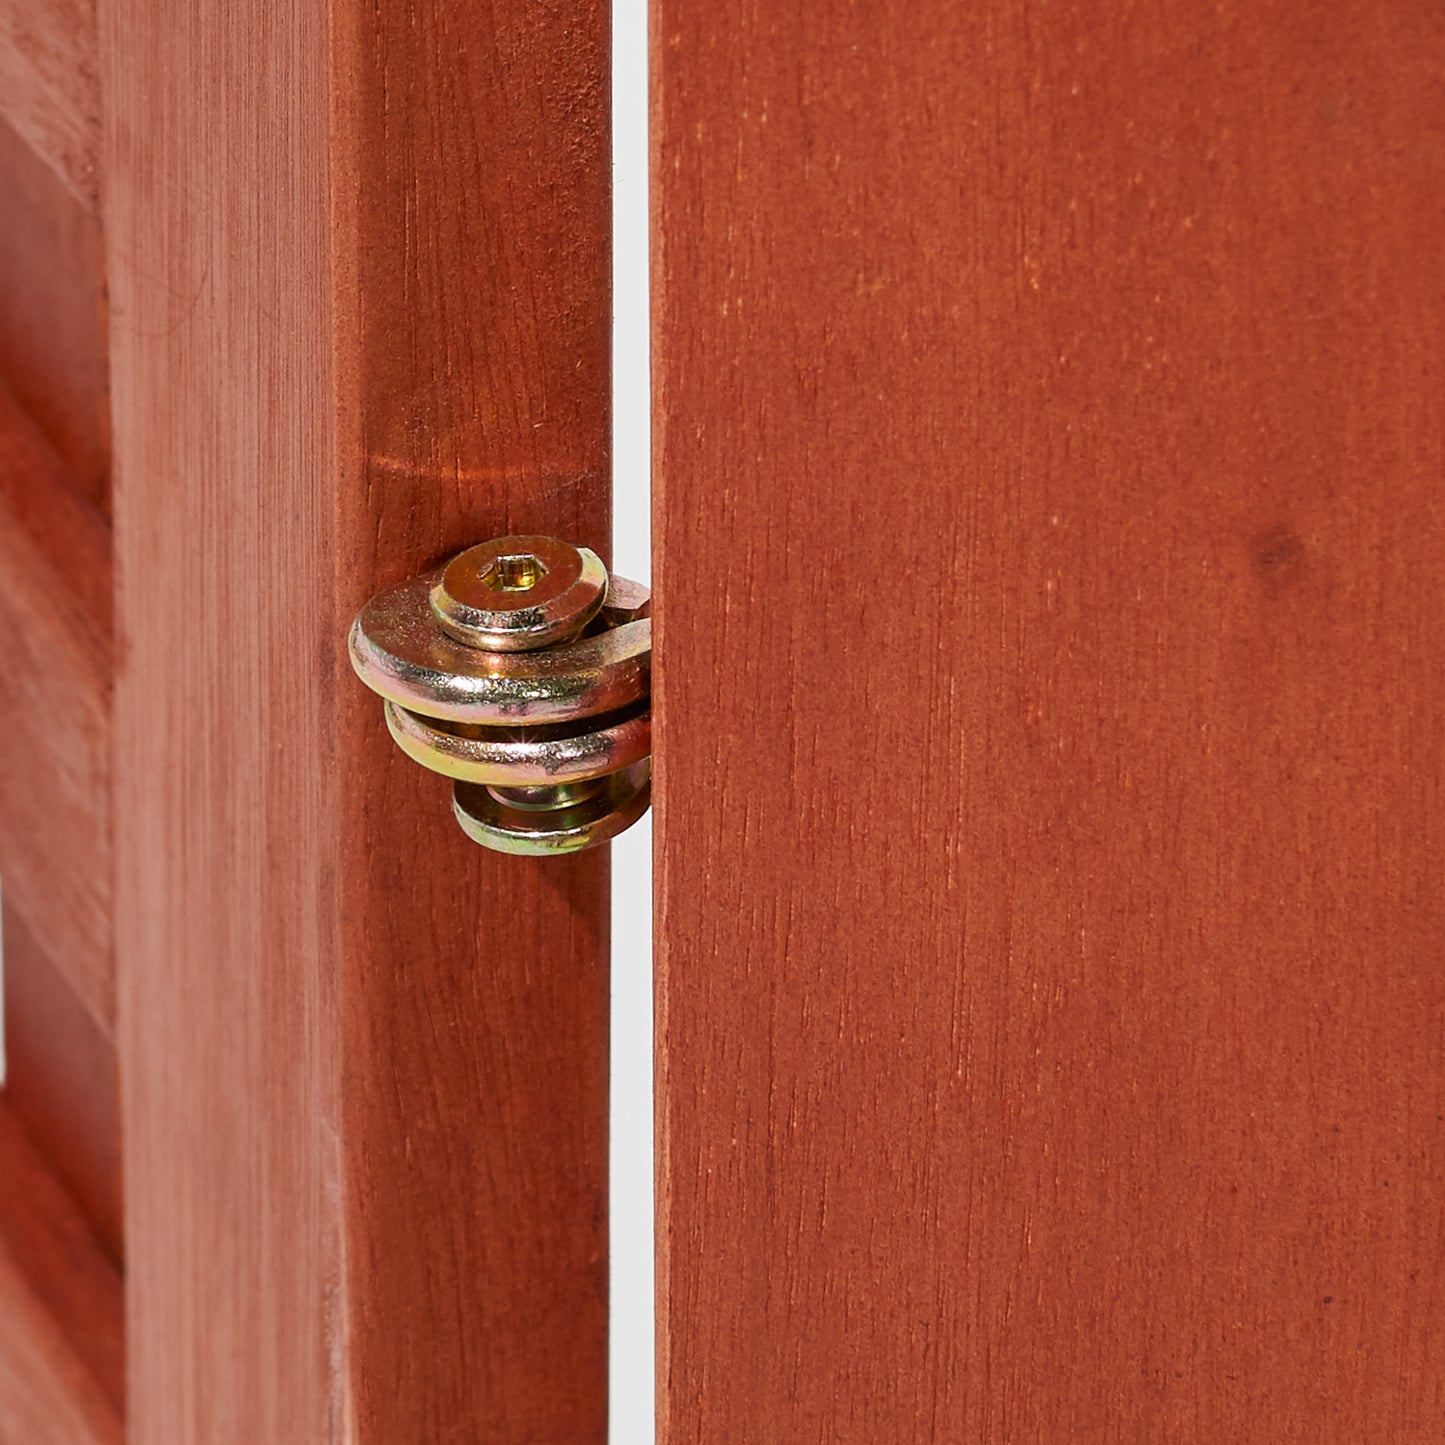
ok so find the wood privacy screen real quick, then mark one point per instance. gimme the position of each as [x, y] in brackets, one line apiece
[294, 299]
[1051, 715]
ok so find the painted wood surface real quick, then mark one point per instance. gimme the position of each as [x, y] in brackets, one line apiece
[61, 1363]
[359, 318]
[53, 312]
[1050, 719]
[49, 87]
[55, 611]
[473, 297]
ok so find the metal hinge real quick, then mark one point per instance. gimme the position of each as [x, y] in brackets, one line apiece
[522, 671]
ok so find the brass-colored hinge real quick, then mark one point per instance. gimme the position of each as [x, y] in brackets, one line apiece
[522, 671]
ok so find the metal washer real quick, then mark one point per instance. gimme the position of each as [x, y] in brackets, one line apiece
[546, 833]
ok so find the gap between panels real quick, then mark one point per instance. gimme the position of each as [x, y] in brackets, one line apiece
[631, 1410]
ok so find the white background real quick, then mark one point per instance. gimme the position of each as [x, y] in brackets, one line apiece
[631, 1207]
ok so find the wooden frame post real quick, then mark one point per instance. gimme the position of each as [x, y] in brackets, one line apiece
[359, 277]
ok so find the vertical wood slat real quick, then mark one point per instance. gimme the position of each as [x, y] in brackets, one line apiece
[363, 1063]
[1049, 710]
[475, 281]
[226, 782]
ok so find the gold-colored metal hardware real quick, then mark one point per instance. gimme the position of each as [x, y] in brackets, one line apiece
[522, 671]
[519, 593]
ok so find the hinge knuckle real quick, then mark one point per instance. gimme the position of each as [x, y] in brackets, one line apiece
[522, 671]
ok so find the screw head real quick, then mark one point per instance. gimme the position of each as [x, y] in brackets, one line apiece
[516, 594]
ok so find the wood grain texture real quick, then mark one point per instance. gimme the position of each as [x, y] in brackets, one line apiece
[55, 854]
[49, 91]
[359, 318]
[61, 1361]
[1050, 716]
[225, 781]
[474, 293]
[53, 313]
[61, 1080]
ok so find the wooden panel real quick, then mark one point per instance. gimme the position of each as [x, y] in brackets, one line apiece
[52, 313]
[476, 282]
[1051, 721]
[226, 789]
[60, 1079]
[55, 853]
[48, 86]
[61, 1363]
[363, 1064]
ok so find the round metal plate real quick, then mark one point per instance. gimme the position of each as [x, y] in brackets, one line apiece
[520, 757]
[561, 830]
[399, 650]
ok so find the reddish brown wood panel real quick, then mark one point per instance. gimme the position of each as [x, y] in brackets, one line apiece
[1050, 720]
[360, 286]
[474, 289]
[49, 89]
[60, 1079]
[53, 312]
[61, 1363]
[55, 855]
